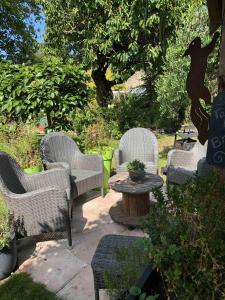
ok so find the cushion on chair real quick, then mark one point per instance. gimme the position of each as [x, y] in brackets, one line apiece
[150, 167]
[179, 175]
[85, 180]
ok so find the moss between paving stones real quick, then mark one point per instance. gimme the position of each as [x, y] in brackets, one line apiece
[21, 287]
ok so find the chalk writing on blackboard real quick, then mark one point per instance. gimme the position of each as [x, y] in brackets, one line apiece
[216, 142]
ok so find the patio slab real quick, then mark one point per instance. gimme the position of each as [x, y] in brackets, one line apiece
[52, 265]
[65, 271]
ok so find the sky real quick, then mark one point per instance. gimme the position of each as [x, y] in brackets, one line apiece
[40, 29]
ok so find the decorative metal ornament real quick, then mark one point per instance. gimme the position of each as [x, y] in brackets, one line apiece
[195, 85]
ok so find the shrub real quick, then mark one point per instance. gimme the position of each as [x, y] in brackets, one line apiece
[21, 142]
[187, 241]
[51, 88]
[4, 225]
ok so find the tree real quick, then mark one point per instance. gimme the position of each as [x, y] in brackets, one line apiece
[49, 88]
[122, 34]
[17, 19]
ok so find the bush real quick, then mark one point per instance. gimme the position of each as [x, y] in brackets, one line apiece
[4, 225]
[187, 241]
[21, 142]
[52, 88]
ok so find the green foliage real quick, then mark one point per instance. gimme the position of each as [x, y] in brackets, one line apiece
[170, 86]
[50, 88]
[21, 287]
[135, 165]
[132, 261]
[4, 225]
[136, 291]
[124, 35]
[21, 142]
[186, 239]
[131, 111]
[17, 29]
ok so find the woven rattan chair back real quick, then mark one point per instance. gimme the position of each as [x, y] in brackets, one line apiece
[58, 147]
[11, 175]
[138, 143]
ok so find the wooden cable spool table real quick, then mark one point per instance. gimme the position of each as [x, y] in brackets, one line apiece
[135, 198]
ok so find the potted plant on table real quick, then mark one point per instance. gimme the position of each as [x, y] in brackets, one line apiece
[8, 250]
[136, 170]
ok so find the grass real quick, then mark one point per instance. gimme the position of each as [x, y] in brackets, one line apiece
[165, 144]
[21, 287]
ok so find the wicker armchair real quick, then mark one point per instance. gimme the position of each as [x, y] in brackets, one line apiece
[182, 165]
[38, 202]
[138, 143]
[86, 170]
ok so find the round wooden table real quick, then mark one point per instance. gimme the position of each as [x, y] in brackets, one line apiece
[135, 197]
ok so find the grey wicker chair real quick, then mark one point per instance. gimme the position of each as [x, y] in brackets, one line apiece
[182, 165]
[39, 202]
[141, 144]
[86, 170]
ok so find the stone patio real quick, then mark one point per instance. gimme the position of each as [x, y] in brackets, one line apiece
[67, 272]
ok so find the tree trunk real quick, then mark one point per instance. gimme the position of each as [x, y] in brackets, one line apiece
[103, 87]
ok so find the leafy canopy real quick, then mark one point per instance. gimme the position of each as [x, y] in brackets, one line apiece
[51, 88]
[17, 18]
[122, 34]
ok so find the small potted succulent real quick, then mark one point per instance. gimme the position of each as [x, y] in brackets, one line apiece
[8, 251]
[136, 170]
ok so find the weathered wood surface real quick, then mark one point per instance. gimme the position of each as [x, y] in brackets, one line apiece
[119, 216]
[121, 183]
[136, 205]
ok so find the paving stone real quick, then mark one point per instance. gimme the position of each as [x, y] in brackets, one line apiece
[81, 287]
[54, 266]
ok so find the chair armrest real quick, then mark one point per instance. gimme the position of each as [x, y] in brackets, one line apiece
[180, 158]
[60, 165]
[39, 211]
[118, 156]
[92, 162]
[58, 178]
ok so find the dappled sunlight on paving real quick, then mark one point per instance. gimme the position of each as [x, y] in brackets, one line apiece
[67, 271]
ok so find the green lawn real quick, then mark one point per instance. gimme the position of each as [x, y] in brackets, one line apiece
[165, 144]
[21, 287]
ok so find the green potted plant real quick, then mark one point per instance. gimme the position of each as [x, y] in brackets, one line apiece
[107, 155]
[136, 170]
[8, 251]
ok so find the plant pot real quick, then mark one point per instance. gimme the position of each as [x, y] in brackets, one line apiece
[138, 175]
[33, 170]
[151, 283]
[8, 258]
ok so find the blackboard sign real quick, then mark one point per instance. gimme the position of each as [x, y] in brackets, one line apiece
[216, 142]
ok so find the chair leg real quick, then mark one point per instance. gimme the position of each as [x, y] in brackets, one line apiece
[102, 192]
[97, 294]
[69, 230]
